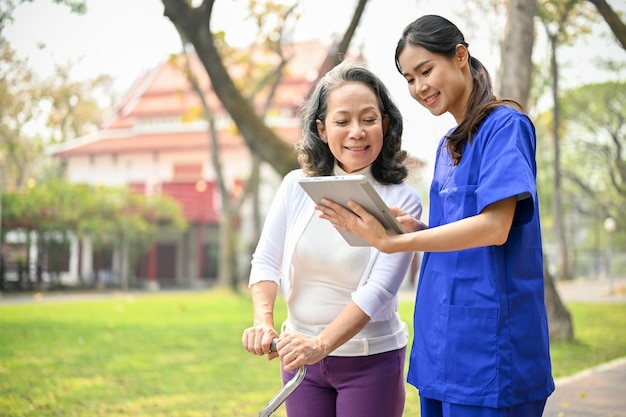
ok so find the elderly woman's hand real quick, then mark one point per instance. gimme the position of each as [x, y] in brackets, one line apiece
[296, 350]
[257, 340]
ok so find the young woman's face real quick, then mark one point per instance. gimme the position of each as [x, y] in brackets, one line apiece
[354, 126]
[439, 83]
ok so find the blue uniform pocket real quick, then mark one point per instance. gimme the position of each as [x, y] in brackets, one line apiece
[470, 355]
[458, 202]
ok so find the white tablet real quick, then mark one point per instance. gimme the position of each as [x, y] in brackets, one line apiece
[357, 188]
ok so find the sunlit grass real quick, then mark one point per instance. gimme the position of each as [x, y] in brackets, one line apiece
[600, 337]
[180, 354]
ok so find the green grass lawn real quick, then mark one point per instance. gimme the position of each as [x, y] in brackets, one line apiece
[180, 354]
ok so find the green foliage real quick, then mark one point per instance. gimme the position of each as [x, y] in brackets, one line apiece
[74, 110]
[567, 19]
[180, 355]
[76, 6]
[593, 167]
[70, 109]
[593, 154]
[19, 156]
[105, 214]
[261, 66]
[272, 19]
[594, 118]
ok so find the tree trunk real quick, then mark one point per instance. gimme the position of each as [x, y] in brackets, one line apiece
[227, 274]
[562, 257]
[559, 318]
[514, 82]
[514, 76]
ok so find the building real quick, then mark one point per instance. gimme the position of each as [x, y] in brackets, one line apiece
[156, 143]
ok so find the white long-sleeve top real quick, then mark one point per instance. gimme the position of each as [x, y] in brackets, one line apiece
[376, 293]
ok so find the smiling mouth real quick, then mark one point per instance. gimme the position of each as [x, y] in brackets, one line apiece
[359, 149]
[430, 99]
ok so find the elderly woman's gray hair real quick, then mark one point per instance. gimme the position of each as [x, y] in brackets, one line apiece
[314, 155]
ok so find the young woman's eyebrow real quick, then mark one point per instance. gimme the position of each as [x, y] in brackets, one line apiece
[418, 66]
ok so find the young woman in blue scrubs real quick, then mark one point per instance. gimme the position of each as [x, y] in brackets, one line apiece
[481, 345]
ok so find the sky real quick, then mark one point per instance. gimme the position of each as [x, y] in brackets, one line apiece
[124, 38]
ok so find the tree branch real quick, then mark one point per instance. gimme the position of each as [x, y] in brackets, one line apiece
[195, 25]
[612, 19]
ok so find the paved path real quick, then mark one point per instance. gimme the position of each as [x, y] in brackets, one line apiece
[597, 392]
[593, 290]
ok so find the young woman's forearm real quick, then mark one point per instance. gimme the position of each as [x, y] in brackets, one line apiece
[490, 227]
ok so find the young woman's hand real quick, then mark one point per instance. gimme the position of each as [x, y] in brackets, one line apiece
[408, 222]
[357, 221]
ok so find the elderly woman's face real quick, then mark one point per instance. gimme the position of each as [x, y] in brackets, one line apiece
[354, 126]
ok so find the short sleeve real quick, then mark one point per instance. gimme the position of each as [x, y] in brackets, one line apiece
[508, 166]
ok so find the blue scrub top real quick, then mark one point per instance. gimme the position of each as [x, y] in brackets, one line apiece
[481, 330]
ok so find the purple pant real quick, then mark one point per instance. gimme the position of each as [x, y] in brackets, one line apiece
[434, 408]
[339, 386]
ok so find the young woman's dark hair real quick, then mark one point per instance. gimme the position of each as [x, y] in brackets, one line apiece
[314, 155]
[440, 36]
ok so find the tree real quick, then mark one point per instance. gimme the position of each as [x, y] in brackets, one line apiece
[563, 21]
[65, 108]
[259, 78]
[595, 121]
[72, 107]
[55, 210]
[19, 95]
[515, 82]
[594, 164]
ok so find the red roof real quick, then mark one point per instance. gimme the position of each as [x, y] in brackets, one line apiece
[160, 109]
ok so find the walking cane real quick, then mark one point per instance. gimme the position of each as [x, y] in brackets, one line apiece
[286, 391]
